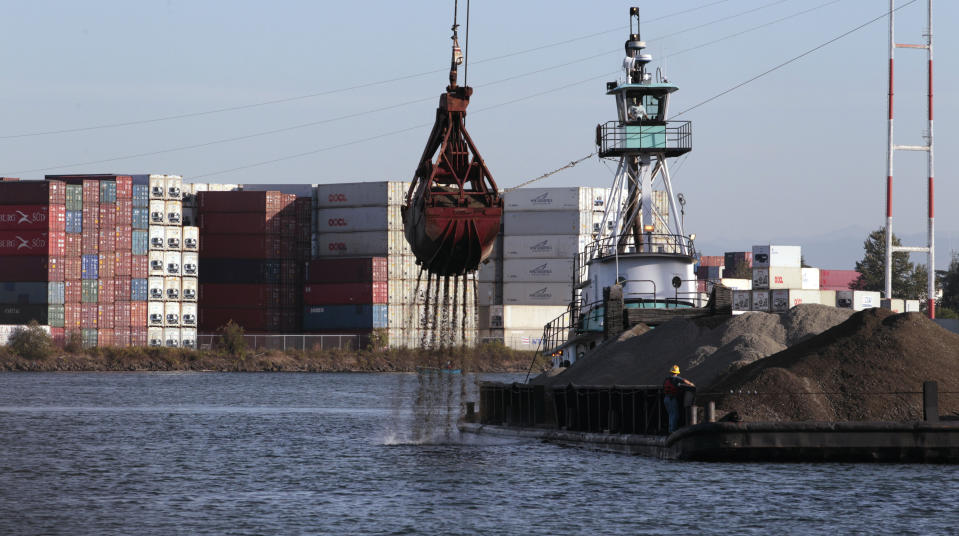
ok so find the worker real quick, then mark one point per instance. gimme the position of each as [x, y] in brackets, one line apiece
[673, 388]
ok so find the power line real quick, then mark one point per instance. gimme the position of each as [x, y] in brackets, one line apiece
[327, 92]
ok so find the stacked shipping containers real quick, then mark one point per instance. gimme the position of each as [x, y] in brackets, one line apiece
[253, 269]
[32, 243]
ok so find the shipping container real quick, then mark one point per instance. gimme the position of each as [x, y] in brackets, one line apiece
[252, 320]
[140, 242]
[72, 291]
[171, 314]
[190, 263]
[737, 284]
[33, 193]
[361, 194]
[155, 313]
[537, 293]
[174, 236]
[837, 279]
[56, 292]
[188, 314]
[238, 223]
[122, 289]
[857, 299]
[140, 218]
[538, 270]
[250, 246]
[122, 260]
[264, 202]
[105, 315]
[89, 337]
[157, 212]
[55, 315]
[141, 196]
[357, 219]
[174, 186]
[107, 240]
[549, 199]
[108, 192]
[139, 289]
[171, 337]
[785, 299]
[344, 317]
[33, 268]
[345, 293]
[547, 223]
[156, 263]
[106, 265]
[526, 316]
[124, 214]
[810, 278]
[106, 291]
[31, 243]
[550, 246]
[124, 187]
[157, 238]
[349, 270]
[73, 221]
[188, 338]
[12, 313]
[760, 300]
[73, 197]
[26, 292]
[240, 271]
[121, 337]
[191, 238]
[91, 193]
[766, 256]
[239, 295]
[894, 305]
[157, 187]
[138, 314]
[121, 314]
[171, 288]
[912, 306]
[71, 317]
[32, 217]
[90, 266]
[777, 278]
[155, 336]
[742, 300]
[89, 315]
[90, 241]
[174, 213]
[362, 244]
[155, 288]
[189, 288]
[58, 334]
[171, 263]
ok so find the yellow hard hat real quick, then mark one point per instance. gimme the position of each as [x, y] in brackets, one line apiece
[674, 370]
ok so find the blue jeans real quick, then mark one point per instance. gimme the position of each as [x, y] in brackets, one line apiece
[674, 410]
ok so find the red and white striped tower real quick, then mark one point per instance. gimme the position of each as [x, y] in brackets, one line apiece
[929, 249]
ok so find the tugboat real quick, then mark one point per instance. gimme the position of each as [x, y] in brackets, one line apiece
[642, 255]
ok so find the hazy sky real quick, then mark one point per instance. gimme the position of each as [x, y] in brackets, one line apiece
[797, 156]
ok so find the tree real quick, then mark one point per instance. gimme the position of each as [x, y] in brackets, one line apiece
[949, 282]
[908, 280]
[31, 342]
[231, 338]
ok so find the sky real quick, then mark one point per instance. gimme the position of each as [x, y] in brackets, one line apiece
[325, 92]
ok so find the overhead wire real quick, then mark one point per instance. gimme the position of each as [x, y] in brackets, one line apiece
[327, 92]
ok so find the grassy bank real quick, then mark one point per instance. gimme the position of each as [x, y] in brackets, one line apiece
[484, 358]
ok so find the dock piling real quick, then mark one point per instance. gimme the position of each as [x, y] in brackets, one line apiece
[930, 401]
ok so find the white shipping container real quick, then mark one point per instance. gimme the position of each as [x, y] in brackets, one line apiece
[810, 278]
[188, 289]
[895, 305]
[171, 337]
[171, 263]
[190, 191]
[827, 297]
[214, 187]
[157, 234]
[539, 247]
[174, 187]
[174, 237]
[361, 194]
[362, 244]
[538, 270]
[188, 338]
[742, 300]
[537, 293]
[760, 301]
[191, 238]
[7, 330]
[737, 284]
[490, 272]
[173, 212]
[297, 189]
[785, 299]
[171, 288]
[777, 278]
[157, 212]
[857, 300]
[560, 222]
[171, 314]
[188, 314]
[356, 219]
[156, 263]
[190, 263]
[777, 256]
[155, 336]
[157, 187]
[530, 316]
[155, 313]
[577, 198]
[522, 339]
[912, 306]
[155, 288]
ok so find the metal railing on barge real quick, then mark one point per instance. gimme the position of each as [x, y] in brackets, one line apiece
[616, 409]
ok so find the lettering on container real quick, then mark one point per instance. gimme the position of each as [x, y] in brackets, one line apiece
[337, 198]
[337, 246]
[22, 217]
[337, 222]
[542, 269]
[541, 247]
[542, 199]
[778, 279]
[541, 293]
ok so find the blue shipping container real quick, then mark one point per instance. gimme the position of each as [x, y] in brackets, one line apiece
[55, 291]
[25, 293]
[141, 196]
[141, 218]
[141, 242]
[325, 317]
[108, 192]
[74, 221]
[90, 267]
[138, 290]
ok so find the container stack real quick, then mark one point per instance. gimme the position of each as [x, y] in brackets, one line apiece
[709, 269]
[249, 250]
[32, 247]
[347, 295]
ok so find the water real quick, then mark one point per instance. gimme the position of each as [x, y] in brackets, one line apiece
[193, 453]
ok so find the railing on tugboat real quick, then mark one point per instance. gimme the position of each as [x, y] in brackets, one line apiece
[672, 138]
[652, 243]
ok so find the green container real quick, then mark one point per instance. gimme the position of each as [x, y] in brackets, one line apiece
[108, 192]
[89, 337]
[89, 290]
[74, 194]
[55, 316]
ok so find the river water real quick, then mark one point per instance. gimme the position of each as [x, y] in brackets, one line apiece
[210, 453]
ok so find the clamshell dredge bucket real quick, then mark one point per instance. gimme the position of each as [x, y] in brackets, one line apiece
[453, 208]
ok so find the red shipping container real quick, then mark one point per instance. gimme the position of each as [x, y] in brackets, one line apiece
[121, 289]
[106, 291]
[32, 243]
[34, 268]
[91, 193]
[712, 260]
[105, 318]
[73, 267]
[346, 293]
[121, 314]
[58, 335]
[124, 212]
[122, 258]
[237, 223]
[33, 193]
[107, 242]
[90, 218]
[108, 216]
[252, 320]
[236, 295]
[105, 337]
[90, 241]
[89, 312]
[837, 279]
[124, 187]
[72, 245]
[264, 202]
[71, 315]
[121, 337]
[138, 315]
[139, 266]
[33, 217]
[290, 295]
[72, 291]
[351, 270]
[107, 267]
[288, 321]
[138, 336]
[234, 246]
